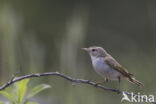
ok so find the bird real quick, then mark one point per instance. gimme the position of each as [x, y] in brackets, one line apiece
[107, 67]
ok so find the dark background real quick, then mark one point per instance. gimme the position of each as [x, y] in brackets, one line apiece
[47, 35]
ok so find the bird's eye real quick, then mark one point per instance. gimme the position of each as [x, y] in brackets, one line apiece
[93, 50]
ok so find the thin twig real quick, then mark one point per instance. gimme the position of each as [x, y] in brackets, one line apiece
[67, 78]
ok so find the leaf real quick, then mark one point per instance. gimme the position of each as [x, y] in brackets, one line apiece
[2, 103]
[38, 89]
[6, 94]
[22, 87]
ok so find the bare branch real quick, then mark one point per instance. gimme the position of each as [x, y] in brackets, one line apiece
[67, 78]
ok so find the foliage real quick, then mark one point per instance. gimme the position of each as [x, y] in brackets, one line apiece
[19, 94]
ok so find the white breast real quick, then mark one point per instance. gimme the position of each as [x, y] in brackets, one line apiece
[103, 69]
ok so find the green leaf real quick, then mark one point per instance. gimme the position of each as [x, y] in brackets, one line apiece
[22, 87]
[2, 103]
[31, 103]
[6, 94]
[38, 89]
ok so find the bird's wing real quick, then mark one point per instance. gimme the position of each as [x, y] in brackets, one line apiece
[115, 65]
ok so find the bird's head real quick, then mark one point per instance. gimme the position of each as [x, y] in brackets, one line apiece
[96, 51]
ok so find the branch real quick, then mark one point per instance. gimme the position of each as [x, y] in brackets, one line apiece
[13, 80]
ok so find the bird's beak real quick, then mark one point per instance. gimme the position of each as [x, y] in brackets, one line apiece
[85, 49]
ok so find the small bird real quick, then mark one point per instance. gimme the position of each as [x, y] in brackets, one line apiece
[107, 67]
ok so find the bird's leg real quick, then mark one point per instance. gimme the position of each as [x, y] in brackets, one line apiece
[105, 81]
[119, 79]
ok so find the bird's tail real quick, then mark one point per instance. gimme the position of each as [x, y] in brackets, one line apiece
[134, 81]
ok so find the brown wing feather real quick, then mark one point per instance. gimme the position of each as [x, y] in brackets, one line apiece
[115, 65]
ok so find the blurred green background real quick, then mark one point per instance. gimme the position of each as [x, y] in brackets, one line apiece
[47, 35]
